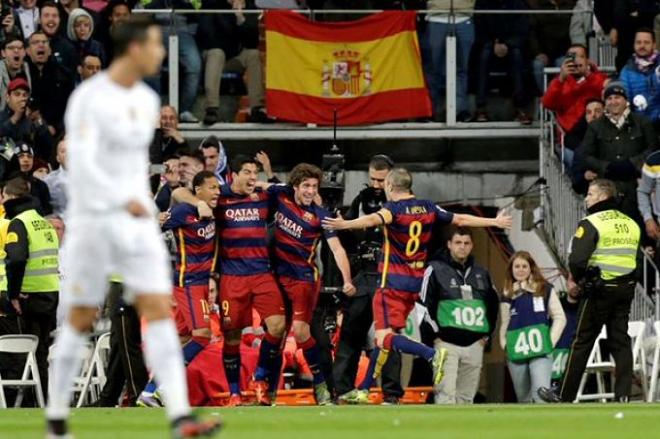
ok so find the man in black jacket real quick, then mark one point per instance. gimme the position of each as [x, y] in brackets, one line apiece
[23, 162]
[462, 308]
[52, 84]
[616, 145]
[51, 24]
[230, 42]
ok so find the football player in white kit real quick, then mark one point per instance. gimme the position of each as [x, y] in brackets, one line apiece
[111, 224]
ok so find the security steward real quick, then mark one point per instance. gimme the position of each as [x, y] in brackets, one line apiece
[357, 313]
[604, 264]
[32, 268]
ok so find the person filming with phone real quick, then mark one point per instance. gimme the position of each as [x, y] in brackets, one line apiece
[578, 82]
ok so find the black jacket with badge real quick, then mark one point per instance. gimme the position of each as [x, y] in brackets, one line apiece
[444, 279]
[585, 241]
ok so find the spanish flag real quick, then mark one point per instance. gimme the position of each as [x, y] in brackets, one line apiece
[369, 70]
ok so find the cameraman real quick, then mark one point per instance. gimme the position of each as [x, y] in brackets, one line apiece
[357, 310]
[604, 262]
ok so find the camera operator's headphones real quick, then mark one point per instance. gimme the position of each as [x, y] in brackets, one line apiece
[385, 158]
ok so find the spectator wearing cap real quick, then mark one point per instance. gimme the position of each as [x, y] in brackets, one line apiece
[51, 24]
[22, 123]
[24, 162]
[52, 83]
[640, 76]
[80, 28]
[12, 66]
[56, 181]
[578, 82]
[28, 17]
[90, 66]
[616, 145]
[40, 169]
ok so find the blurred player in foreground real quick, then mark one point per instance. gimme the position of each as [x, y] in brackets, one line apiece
[112, 227]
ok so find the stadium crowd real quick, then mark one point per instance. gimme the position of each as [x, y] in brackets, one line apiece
[608, 130]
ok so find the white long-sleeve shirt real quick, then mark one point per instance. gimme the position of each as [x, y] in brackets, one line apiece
[109, 128]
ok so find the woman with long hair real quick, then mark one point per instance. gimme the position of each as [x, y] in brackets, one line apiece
[532, 323]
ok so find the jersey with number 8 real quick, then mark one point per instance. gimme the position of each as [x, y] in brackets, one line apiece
[405, 245]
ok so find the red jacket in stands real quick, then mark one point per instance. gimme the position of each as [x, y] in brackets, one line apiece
[569, 98]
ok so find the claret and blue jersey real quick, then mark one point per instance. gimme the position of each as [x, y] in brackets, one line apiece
[196, 243]
[406, 241]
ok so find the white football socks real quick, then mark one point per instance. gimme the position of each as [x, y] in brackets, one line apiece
[162, 353]
[65, 365]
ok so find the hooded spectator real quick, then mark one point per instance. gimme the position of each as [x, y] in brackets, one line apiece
[80, 28]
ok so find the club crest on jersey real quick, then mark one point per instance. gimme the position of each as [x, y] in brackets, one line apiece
[242, 214]
[288, 225]
[308, 217]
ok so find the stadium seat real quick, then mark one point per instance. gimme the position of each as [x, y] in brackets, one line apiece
[22, 344]
[656, 359]
[599, 366]
[94, 375]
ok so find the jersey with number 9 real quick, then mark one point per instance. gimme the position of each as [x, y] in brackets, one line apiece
[406, 240]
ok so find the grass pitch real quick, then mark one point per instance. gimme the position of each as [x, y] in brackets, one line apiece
[346, 422]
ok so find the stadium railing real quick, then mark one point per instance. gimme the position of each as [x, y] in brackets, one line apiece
[599, 48]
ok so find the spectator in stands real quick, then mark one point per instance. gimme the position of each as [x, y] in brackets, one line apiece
[532, 321]
[502, 37]
[80, 28]
[12, 65]
[462, 305]
[549, 36]
[433, 42]
[167, 139]
[61, 48]
[595, 109]
[22, 123]
[640, 78]
[230, 42]
[40, 169]
[56, 181]
[28, 17]
[648, 195]
[582, 22]
[189, 58]
[68, 6]
[89, 67]
[52, 84]
[616, 145]
[114, 13]
[24, 161]
[627, 17]
[211, 147]
[578, 82]
[8, 21]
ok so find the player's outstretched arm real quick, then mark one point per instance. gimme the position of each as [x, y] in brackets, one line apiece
[184, 195]
[344, 265]
[363, 222]
[502, 220]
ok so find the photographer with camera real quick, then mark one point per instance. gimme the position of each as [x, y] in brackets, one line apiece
[357, 312]
[604, 264]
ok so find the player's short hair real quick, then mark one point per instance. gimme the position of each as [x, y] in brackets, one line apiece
[303, 171]
[210, 142]
[17, 187]
[134, 30]
[381, 162]
[49, 4]
[195, 155]
[646, 30]
[201, 177]
[460, 231]
[239, 161]
[400, 179]
[605, 186]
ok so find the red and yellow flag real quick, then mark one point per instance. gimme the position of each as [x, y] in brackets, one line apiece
[369, 70]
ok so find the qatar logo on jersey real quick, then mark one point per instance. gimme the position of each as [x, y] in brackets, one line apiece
[207, 232]
[242, 214]
[288, 225]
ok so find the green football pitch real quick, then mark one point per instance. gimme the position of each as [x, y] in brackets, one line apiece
[401, 422]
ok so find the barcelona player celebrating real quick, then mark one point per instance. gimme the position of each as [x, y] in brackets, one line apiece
[298, 231]
[407, 224]
[194, 288]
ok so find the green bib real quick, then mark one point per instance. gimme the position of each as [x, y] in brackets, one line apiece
[464, 314]
[528, 342]
[559, 360]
